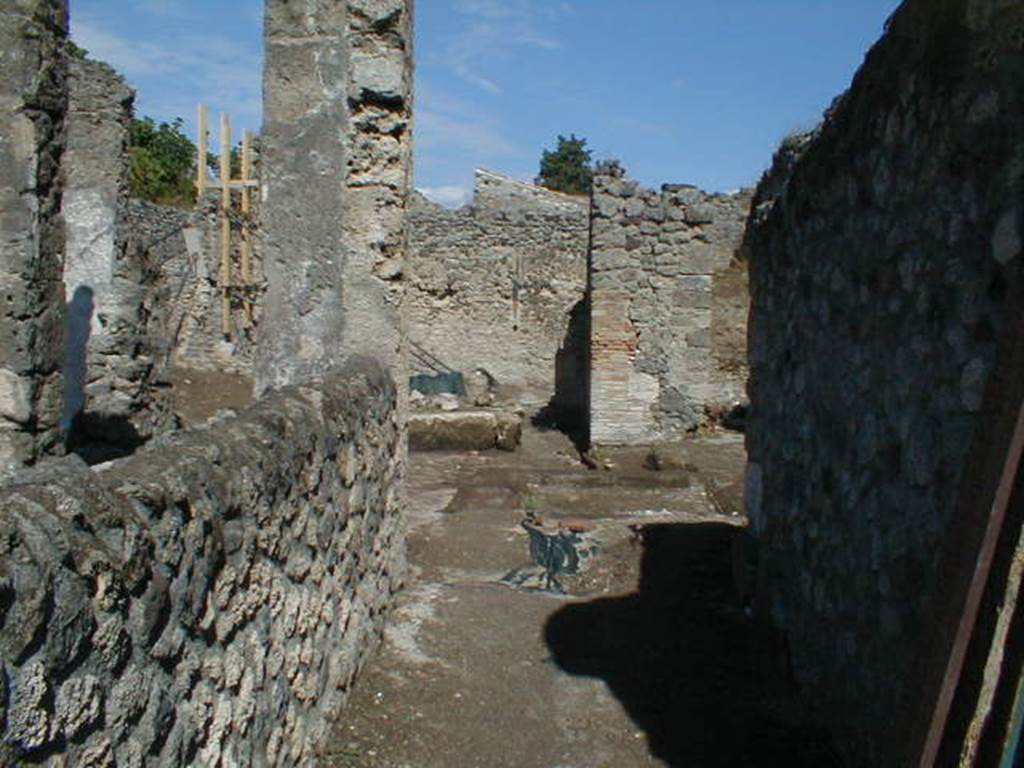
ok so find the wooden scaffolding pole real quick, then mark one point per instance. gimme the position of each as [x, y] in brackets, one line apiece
[246, 232]
[225, 225]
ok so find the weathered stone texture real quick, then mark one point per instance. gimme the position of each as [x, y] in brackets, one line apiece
[336, 151]
[107, 358]
[33, 103]
[210, 600]
[494, 285]
[656, 357]
[878, 276]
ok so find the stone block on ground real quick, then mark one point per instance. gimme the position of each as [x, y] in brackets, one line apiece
[465, 431]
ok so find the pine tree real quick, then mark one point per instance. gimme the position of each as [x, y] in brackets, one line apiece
[568, 168]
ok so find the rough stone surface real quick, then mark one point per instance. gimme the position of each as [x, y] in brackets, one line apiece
[33, 104]
[881, 249]
[499, 285]
[108, 361]
[658, 353]
[209, 600]
[336, 152]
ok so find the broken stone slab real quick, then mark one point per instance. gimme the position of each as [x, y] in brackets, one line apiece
[465, 431]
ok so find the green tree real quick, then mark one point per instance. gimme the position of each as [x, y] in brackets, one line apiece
[76, 51]
[162, 162]
[568, 168]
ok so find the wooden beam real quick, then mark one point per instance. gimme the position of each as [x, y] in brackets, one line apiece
[225, 222]
[975, 592]
[246, 233]
[999, 664]
[202, 136]
[237, 184]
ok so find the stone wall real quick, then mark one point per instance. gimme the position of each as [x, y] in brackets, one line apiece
[107, 359]
[499, 285]
[209, 600]
[33, 103]
[878, 278]
[179, 254]
[336, 174]
[659, 353]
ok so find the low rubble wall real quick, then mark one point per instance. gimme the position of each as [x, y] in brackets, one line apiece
[210, 599]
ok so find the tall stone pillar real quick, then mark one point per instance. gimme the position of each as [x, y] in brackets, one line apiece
[33, 100]
[337, 169]
[103, 371]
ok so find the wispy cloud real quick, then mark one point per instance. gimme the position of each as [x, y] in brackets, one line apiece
[468, 135]
[132, 58]
[486, 32]
[174, 70]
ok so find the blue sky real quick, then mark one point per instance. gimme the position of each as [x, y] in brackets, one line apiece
[695, 91]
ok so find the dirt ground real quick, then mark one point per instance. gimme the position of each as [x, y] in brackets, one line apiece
[648, 657]
[198, 395]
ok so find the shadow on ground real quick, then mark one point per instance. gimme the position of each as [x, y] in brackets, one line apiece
[683, 659]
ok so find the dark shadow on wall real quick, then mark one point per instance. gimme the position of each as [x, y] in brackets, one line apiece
[94, 437]
[77, 326]
[569, 409]
[685, 660]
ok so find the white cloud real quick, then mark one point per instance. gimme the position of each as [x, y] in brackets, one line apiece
[448, 196]
[491, 31]
[132, 58]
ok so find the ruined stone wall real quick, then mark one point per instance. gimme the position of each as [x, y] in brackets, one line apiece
[108, 360]
[336, 173]
[33, 103]
[878, 276]
[209, 600]
[499, 285]
[659, 353]
[179, 254]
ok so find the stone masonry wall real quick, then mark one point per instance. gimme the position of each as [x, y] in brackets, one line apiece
[179, 253]
[209, 600]
[33, 102]
[654, 261]
[494, 285]
[107, 360]
[878, 278]
[336, 174]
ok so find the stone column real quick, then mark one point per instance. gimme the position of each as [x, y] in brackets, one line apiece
[103, 371]
[33, 100]
[336, 158]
